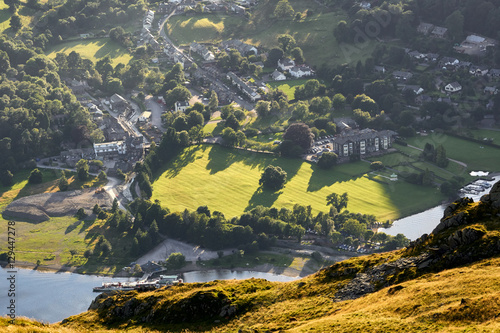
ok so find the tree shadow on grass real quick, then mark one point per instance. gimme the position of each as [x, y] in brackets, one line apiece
[321, 178]
[72, 227]
[221, 158]
[108, 48]
[174, 167]
[262, 197]
[4, 15]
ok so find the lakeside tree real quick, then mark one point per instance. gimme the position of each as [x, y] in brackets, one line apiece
[273, 178]
[15, 23]
[82, 170]
[36, 177]
[284, 10]
[338, 202]
[175, 260]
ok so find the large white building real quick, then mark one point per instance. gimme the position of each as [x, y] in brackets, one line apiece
[106, 149]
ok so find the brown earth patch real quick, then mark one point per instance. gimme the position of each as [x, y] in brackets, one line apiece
[40, 207]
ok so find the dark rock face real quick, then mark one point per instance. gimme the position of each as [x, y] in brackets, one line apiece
[377, 277]
[202, 305]
[493, 198]
[464, 237]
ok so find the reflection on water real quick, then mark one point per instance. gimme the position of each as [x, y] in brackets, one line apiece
[51, 297]
[224, 274]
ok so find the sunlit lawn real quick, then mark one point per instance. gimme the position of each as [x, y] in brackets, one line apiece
[227, 180]
[93, 49]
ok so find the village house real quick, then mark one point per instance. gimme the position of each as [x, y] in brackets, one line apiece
[286, 64]
[181, 106]
[109, 149]
[243, 86]
[417, 90]
[448, 61]
[432, 57]
[491, 90]
[78, 87]
[278, 76]
[439, 32]
[300, 71]
[416, 55]
[118, 103]
[495, 72]
[422, 99]
[379, 69]
[202, 51]
[478, 70]
[403, 76]
[425, 28]
[243, 48]
[362, 142]
[453, 87]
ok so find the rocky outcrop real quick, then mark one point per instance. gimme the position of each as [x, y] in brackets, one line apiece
[450, 218]
[493, 198]
[379, 276]
[202, 305]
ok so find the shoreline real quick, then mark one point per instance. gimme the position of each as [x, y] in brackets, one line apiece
[191, 267]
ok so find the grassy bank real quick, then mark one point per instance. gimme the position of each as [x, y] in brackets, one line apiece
[93, 49]
[476, 156]
[227, 180]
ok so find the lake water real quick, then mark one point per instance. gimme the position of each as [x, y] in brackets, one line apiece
[423, 223]
[51, 297]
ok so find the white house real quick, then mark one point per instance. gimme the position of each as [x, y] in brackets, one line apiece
[453, 87]
[286, 64]
[181, 106]
[110, 148]
[278, 76]
[300, 71]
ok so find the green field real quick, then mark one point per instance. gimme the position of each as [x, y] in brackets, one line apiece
[288, 87]
[93, 49]
[202, 28]
[476, 156]
[228, 180]
[313, 34]
[481, 134]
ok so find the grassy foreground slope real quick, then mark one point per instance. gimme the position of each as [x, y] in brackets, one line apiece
[446, 282]
[227, 180]
[314, 33]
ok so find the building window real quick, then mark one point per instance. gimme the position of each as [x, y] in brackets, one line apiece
[362, 147]
[346, 150]
[376, 144]
[351, 148]
[386, 144]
